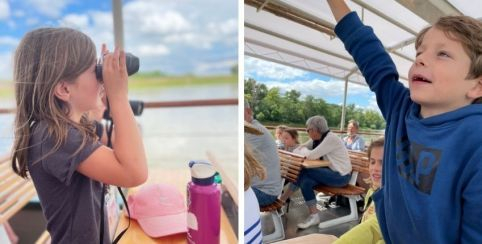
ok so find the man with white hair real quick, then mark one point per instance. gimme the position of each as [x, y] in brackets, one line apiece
[265, 150]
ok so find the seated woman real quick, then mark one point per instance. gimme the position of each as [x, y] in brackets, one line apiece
[290, 139]
[368, 231]
[323, 144]
[353, 141]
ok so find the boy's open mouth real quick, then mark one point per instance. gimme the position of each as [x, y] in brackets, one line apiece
[420, 78]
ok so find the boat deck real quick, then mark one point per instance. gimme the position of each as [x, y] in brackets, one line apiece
[298, 212]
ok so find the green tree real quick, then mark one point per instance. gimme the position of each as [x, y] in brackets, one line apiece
[270, 106]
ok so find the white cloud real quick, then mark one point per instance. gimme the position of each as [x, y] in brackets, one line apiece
[188, 38]
[153, 50]
[97, 25]
[6, 67]
[8, 40]
[31, 21]
[101, 21]
[4, 9]
[176, 37]
[175, 25]
[270, 70]
[78, 21]
[208, 68]
[50, 8]
[148, 17]
[318, 88]
[19, 13]
[372, 102]
[227, 27]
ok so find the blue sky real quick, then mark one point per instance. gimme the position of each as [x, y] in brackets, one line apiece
[175, 37]
[308, 83]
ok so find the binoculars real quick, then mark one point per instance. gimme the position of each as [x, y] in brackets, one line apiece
[132, 65]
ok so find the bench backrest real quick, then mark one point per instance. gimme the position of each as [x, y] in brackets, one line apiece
[15, 192]
[291, 165]
[359, 161]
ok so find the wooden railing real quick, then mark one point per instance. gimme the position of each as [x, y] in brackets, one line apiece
[168, 104]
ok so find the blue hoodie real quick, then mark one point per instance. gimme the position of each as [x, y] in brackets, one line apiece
[432, 174]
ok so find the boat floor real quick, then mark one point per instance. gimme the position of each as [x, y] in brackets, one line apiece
[298, 212]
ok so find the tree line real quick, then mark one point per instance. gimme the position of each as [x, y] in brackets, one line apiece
[269, 105]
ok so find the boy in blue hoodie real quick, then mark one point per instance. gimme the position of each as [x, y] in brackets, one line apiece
[432, 179]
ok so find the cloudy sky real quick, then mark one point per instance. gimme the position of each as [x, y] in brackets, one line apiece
[175, 37]
[308, 83]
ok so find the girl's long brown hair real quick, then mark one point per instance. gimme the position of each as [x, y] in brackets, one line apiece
[45, 57]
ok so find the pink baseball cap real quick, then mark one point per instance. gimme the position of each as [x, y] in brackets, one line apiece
[159, 209]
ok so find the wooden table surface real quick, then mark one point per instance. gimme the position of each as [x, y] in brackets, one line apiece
[179, 178]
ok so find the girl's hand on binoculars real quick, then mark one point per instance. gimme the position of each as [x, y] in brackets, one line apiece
[114, 72]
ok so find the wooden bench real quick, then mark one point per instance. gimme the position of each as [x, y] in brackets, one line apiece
[44, 238]
[291, 165]
[359, 164]
[15, 192]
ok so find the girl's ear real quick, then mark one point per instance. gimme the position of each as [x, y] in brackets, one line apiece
[62, 91]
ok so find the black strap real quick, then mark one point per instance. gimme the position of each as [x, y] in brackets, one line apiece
[110, 127]
[102, 197]
[117, 239]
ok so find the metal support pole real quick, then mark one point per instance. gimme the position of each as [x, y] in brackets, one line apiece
[118, 23]
[343, 109]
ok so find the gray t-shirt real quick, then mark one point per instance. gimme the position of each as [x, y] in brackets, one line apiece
[265, 150]
[70, 201]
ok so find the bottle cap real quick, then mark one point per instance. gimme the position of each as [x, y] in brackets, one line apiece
[217, 178]
[202, 172]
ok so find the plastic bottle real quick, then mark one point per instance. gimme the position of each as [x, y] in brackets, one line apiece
[204, 205]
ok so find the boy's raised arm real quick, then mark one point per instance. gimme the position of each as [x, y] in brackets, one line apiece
[370, 56]
[338, 8]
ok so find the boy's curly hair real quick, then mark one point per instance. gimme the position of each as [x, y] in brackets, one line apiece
[466, 30]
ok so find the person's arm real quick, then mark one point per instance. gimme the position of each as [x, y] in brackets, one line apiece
[126, 165]
[371, 58]
[339, 9]
[366, 232]
[326, 146]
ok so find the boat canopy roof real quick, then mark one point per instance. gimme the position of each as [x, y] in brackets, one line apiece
[300, 33]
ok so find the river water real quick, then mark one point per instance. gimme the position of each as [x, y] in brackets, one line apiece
[174, 136]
